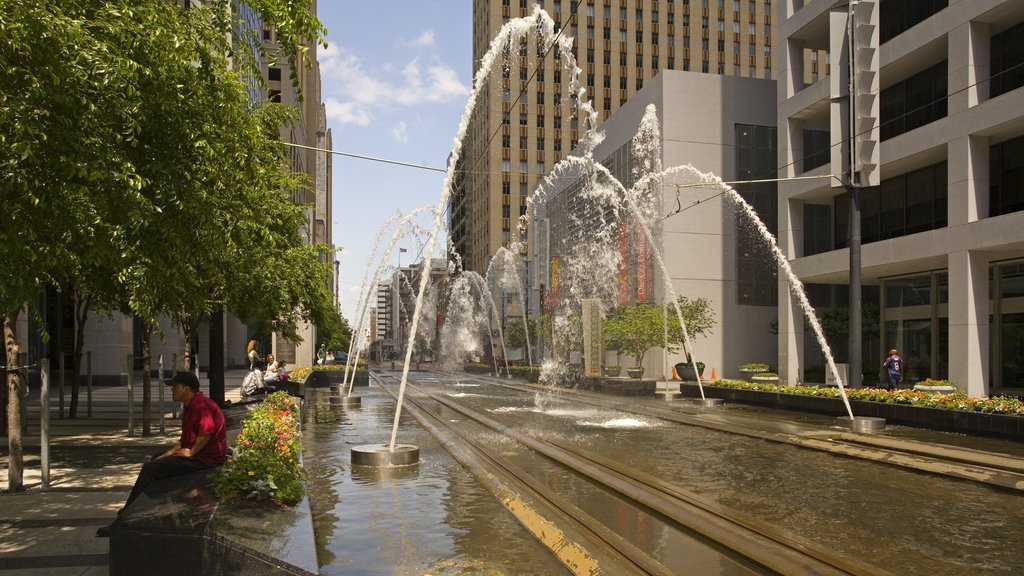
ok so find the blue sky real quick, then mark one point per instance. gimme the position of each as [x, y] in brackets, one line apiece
[395, 79]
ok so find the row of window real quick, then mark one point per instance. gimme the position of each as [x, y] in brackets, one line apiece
[607, 10]
[506, 142]
[907, 204]
[917, 201]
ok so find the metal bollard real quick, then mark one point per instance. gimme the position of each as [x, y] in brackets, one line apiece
[131, 400]
[44, 421]
[60, 399]
[88, 379]
[160, 385]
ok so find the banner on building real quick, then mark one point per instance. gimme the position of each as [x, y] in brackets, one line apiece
[593, 345]
[553, 300]
[641, 265]
[623, 264]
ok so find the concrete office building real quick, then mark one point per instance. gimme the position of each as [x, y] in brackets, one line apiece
[707, 249]
[940, 155]
[116, 339]
[525, 120]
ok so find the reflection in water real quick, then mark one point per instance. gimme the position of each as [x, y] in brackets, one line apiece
[901, 520]
[428, 518]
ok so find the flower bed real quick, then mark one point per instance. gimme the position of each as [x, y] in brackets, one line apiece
[955, 401]
[266, 465]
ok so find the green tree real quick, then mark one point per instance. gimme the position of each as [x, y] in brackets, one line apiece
[636, 328]
[134, 170]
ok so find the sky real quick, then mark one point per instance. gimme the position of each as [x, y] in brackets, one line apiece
[395, 81]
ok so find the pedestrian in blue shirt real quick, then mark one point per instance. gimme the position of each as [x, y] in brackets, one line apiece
[893, 369]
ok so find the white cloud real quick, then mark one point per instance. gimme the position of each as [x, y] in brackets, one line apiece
[426, 39]
[347, 112]
[352, 93]
[400, 132]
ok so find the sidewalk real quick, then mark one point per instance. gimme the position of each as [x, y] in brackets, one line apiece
[93, 465]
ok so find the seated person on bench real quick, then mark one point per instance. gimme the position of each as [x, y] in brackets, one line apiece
[203, 442]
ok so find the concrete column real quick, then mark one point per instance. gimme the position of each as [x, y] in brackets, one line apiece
[968, 161]
[969, 69]
[790, 316]
[968, 322]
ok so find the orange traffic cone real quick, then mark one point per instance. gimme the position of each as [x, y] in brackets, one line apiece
[713, 374]
[674, 375]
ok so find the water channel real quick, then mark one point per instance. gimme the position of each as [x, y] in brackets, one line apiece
[434, 518]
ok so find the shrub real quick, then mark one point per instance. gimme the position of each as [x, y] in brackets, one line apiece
[265, 466]
[954, 401]
[755, 367]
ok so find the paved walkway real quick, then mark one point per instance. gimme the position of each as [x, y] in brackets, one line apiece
[93, 465]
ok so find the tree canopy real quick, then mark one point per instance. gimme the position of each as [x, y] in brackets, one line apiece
[636, 328]
[135, 170]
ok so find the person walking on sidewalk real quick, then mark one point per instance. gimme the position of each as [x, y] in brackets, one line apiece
[893, 366]
[203, 442]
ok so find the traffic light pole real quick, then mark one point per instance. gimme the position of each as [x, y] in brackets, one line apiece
[854, 374]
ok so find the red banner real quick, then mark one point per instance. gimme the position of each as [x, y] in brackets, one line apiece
[554, 282]
[623, 263]
[641, 265]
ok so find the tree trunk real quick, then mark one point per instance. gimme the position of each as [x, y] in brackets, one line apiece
[15, 397]
[81, 313]
[146, 381]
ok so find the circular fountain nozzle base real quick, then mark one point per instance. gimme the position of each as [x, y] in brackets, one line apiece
[867, 424]
[347, 401]
[710, 402]
[382, 455]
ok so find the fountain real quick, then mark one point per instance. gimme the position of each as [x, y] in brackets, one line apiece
[609, 191]
[514, 30]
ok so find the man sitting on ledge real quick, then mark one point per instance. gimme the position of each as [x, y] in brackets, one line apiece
[203, 442]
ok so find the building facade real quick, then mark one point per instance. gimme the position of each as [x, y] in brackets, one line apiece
[703, 239]
[939, 155]
[526, 119]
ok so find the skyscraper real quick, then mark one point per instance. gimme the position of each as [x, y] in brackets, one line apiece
[526, 119]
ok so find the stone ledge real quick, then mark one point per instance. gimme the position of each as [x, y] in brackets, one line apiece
[980, 423]
[177, 527]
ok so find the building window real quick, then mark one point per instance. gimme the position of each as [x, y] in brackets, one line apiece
[506, 187]
[1007, 54]
[897, 16]
[1006, 177]
[757, 273]
[540, 143]
[540, 121]
[506, 141]
[905, 204]
[506, 166]
[540, 168]
[275, 96]
[274, 74]
[817, 151]
[918, 100]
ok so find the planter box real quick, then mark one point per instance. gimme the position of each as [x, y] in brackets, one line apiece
[979, 423]
[328, 378]
[685, 372]
[612, 372]
[936, 389]
[619, 386]
[635, 372]
[748, 374]
[765, 379]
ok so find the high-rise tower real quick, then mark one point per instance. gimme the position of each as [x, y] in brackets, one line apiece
[526, 119]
